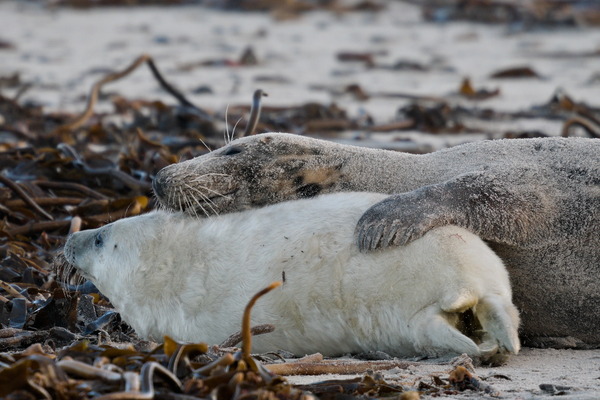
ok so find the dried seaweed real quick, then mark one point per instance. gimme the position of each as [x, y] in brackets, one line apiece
[84, 370]
[184, 371]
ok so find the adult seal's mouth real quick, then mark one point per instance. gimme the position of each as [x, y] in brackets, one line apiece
[204, 195]
[207, 206]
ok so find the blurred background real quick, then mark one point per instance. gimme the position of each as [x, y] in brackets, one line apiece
[406, 75]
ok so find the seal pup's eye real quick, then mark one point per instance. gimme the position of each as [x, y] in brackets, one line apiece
[232, 151]
[98, 240]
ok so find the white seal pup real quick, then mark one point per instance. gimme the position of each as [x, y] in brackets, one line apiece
[169, 274]
[535, 201]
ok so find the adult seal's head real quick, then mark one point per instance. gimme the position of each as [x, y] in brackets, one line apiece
[252, 172]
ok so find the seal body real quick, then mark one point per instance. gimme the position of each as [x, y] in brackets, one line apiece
[169, 274]
[535, 201]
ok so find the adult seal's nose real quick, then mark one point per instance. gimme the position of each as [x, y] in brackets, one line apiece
[158, 185]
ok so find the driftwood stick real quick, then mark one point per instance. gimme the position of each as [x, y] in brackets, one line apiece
[334, 367]
[174, 92]
[46, 201]
[78, 121]
[34, 227]
[21, 193]
[71, 186]
[83, 370]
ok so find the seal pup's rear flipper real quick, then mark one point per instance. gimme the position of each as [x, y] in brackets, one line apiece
[435, 334]
[500, 322]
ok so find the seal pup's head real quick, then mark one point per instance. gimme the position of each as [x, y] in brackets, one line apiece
[113, 256]
[251, 172]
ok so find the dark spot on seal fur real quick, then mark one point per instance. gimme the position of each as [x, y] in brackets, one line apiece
[310, 190]
[583, 175]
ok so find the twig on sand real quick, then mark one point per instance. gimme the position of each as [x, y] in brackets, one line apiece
[340, 367]
[94, 93]
[75, 225]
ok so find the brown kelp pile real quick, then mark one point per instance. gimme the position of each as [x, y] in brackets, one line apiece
[172, 370]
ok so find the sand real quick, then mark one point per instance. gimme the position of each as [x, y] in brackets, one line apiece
[574, 374]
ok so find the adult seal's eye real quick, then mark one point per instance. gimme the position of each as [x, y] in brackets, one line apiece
[232, 151]
[98, 240]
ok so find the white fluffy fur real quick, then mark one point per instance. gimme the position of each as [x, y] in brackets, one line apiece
[168, 274]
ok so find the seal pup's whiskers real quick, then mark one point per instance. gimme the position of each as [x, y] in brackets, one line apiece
[66, 273]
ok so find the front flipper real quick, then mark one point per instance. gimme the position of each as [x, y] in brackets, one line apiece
[401, 218]
[491, 206]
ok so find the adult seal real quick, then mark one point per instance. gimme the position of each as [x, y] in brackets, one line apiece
[170, 274]
[536, 201]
